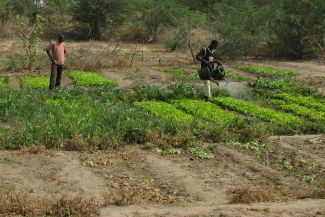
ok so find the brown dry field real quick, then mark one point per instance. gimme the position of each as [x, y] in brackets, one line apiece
[133, 182]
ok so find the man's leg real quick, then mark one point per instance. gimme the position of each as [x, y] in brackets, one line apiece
[207, 90]
[53, 76]
[59, 75]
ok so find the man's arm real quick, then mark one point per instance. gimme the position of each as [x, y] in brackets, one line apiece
[200, 56]
[219, 63]
[216, 61]
[47, 50]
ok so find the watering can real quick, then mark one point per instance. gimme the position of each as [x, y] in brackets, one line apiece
[207, 73]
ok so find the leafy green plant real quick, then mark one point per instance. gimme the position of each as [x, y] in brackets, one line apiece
[260, 112]
[90, 79]
[182, 90]
[180, 73]
[145, 92]
[166, 112]
[311, 114]
[235, 76]
[35, 82]
[206, 111]
[269, 71]
[308, 102]
[200, 152]
[282, 86]
[94, 114]
[170, 151]
[3, 82]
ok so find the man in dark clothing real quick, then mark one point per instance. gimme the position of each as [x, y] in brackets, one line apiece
[207, 58]
[56, 52]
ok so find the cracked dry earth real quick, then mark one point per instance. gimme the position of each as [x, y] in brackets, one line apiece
[135, 182]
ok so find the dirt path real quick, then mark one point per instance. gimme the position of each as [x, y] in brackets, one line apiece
[53, 174]
[311, 146]
[305, 208]
[159, 186]
[128, 77]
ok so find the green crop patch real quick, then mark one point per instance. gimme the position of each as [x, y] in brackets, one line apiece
[93, 115]
[257, 111]
[180, 73]
[3, 82]
[235, 76]
[311, 114]
[308, 102]
[268, 71]
[35, 82]
[90, 79]
[166, 112]
[206, 110]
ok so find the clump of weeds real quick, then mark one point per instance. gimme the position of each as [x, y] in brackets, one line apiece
[247, 195]
[13, 204]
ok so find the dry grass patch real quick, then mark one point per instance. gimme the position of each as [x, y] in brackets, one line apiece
[75, 207]
[12, 204]
[123, 194]
[76, 143]
[247, 195]
[36, 149]
[313, 192]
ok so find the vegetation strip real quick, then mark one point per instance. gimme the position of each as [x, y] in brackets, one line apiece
[236, 76]
[269, 71]
[166, 111]
[180, 73]
[3, 82]
[206, 110]
[308, 102]
[309, 113]
[90, 79]
[263, 113]
[35, 82]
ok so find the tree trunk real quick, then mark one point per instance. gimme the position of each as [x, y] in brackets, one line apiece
[96, 32]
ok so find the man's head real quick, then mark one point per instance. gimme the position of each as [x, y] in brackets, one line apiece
[214, 44]
[60, 38]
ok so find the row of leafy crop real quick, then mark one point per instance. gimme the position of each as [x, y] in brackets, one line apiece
[80, 78]
[269, 71]
[308, 102]
[309, 113]
[101, 116]
[283, 122]
[144, 92]
[90, 79]
[267, 86]
[181, 74]
[207, 119]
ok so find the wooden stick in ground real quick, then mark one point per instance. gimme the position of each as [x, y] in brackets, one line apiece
[190, 46]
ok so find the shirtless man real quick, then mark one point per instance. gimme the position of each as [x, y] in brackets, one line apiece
[56, 52]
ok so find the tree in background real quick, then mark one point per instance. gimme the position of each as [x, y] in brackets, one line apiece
[99, 14]
[30, 35]
[240, 25]
[155, 14]
[299, 30]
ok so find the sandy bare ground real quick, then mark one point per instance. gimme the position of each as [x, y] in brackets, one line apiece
[154, 185]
